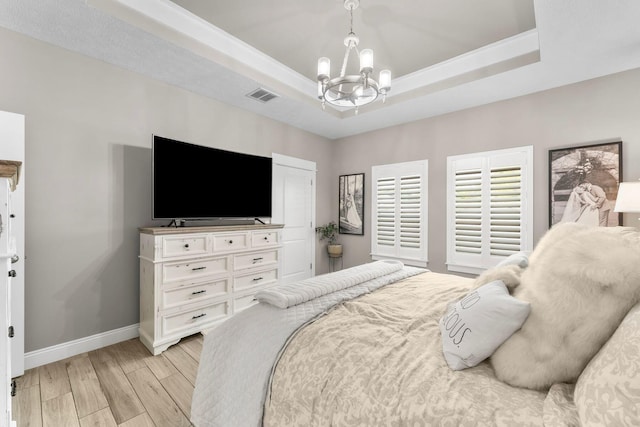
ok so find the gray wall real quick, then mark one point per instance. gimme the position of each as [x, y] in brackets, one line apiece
[88, 142]
[604, 109]
[88, 156]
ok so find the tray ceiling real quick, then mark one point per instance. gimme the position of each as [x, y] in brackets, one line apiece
[444, 56]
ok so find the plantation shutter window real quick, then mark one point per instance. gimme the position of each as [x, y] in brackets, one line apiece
[399, 212]
[489, 207]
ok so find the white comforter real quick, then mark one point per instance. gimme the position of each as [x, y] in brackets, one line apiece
[238, 356]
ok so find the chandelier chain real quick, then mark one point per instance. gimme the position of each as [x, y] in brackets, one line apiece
[351, 25]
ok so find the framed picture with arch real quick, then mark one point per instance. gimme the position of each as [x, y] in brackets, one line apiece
[583, 184]
[351, 204]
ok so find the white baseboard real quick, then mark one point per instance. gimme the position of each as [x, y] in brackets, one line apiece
[71, 348]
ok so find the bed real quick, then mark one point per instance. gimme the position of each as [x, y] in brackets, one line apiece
[362, 347]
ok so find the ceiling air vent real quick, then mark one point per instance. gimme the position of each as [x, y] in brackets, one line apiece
[262, 95]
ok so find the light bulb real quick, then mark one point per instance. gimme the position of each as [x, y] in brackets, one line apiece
[324, 68]
[366, 61]
[385, 80]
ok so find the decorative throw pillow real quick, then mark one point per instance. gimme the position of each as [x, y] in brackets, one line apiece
[475, 326]
[607, 390]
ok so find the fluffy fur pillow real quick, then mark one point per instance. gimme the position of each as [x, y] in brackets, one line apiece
[580, 282]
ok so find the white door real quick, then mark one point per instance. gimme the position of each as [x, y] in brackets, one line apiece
[12, 148]
[294, 200]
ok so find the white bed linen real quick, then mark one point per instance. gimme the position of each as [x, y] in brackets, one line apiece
[238, 356]
[285, 296]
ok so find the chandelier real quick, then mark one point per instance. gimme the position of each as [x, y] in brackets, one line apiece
[356, 89]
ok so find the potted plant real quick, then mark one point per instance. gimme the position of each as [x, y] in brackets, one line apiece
[329, 232]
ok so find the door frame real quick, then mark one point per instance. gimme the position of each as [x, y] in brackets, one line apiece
[307, 165]
[12, 136]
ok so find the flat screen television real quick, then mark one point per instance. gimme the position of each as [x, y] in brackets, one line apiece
[194, 182]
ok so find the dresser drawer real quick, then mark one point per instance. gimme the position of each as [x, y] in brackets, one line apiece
[240, 303]
[255, 259]
[264, 238]
[173, 272]
[262, 278]
[230, 242]
[174, 246]
[194, 293]
[194, 318]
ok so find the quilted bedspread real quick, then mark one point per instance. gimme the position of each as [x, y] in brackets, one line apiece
[285, 296]
[238, 356]
[377, 361]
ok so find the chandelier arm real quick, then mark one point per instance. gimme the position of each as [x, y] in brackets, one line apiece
[347, 51]
[346, 96]
[343, 70]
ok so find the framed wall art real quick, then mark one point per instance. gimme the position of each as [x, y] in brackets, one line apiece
[583, 184]
[351, 204]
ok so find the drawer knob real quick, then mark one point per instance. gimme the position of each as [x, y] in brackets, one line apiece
[198, 316]
[256, 279]
[266, 238]
[199, 292]
[230, 242]
[198, 268]
[186, 246]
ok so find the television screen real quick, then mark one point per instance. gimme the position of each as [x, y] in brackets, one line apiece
[196, 182]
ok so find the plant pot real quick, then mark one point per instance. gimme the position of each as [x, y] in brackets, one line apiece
[334, 251]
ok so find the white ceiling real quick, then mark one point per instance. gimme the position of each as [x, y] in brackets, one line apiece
[444, 55]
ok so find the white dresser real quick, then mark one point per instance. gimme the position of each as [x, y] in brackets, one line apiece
[9, 173]
[192, 278]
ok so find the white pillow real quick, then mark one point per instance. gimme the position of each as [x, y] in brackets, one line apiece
[475, 326]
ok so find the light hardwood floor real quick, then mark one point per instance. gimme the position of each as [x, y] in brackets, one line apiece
[121, 385]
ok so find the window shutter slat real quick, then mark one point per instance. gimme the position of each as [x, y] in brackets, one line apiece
[505, 210]
[468, 211]
[410, 210]
[385, 211]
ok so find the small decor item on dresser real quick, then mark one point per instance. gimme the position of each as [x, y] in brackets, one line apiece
[329, 232]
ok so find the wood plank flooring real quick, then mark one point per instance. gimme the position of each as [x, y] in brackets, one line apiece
[122, 385]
